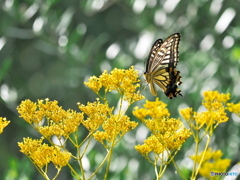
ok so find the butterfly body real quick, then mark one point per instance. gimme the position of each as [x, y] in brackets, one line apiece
[161, 66]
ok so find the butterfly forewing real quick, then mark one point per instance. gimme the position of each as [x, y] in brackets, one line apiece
[153, 55]
[161, 66]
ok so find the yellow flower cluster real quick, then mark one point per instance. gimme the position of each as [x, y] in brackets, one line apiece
[59, 122]
[113, 125]
[168, 134]
[215, 114]
[156, 109]
[114, 128]
[215, 101]
[3, 123]
[211, 162]
[125, 82]
[41, 154]
[151, 144]
[234, 108]
[97, 113]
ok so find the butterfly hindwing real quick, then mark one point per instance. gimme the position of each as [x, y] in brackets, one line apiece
[161, 66]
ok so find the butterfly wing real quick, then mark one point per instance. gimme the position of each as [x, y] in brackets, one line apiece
[161, 66]
[152, 63]
[153, 56]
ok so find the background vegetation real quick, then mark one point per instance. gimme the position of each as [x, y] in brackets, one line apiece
[49, 48]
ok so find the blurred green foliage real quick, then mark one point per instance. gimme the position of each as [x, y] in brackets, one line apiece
[49, 48]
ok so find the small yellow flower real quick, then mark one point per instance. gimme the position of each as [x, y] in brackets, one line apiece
[51, 110]
[125, 82]
[234, 108]
[215, 114]
[154, 104]
[187, 113]
[119, 124]
[58, 121]
[140, 113]
[211, 162]
[102, 137]
[169, 132]
[68, 123]
[218, 166]
[94, 83]
[155, 109]
[114, 128]
[208, 155]
[210, 118]
[107, 81]
[41, 154]
[60, 158]
[213, 100]
[30, 112]
[150, 144]
[3, 123]
[143, 149]
[97, 113]
[28, 146]
[49, 131]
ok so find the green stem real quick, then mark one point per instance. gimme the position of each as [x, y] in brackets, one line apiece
[44, 174]
[93, 174]
[203, 155]
[114, 140]
[74, 172]
[176, 166]
[59, 169]
[109, 162]
[196, 153]
[162, 169]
